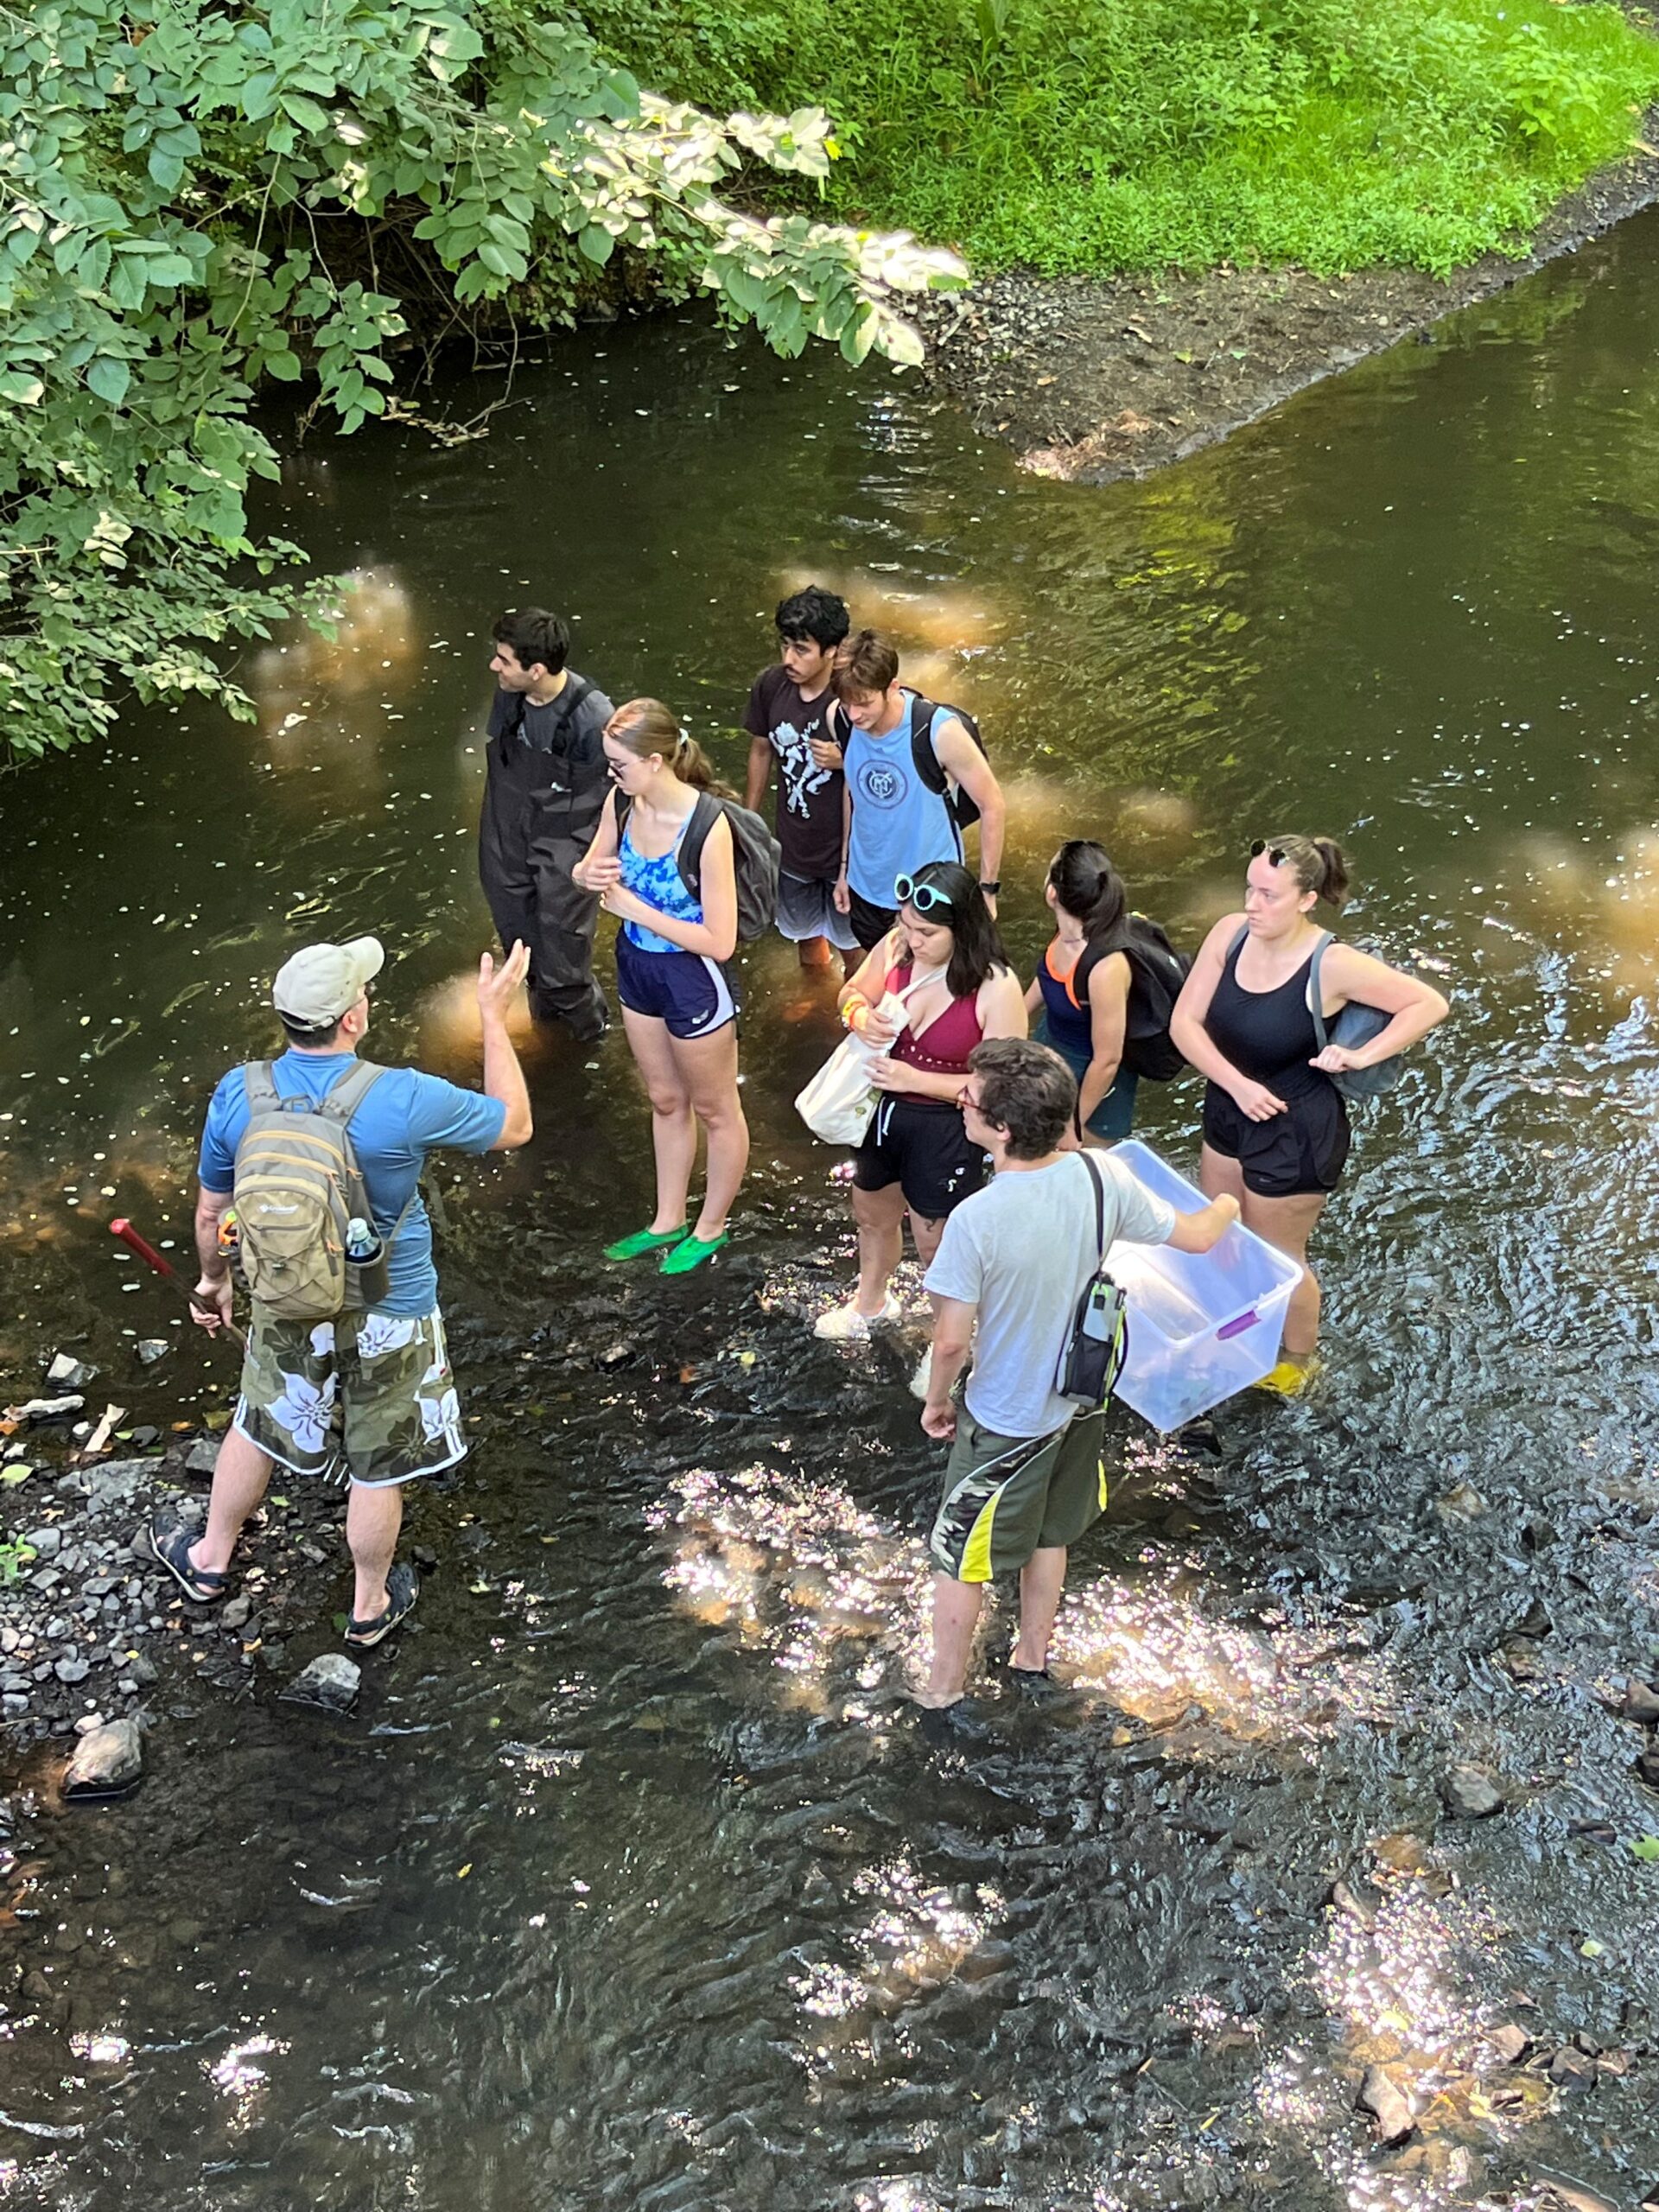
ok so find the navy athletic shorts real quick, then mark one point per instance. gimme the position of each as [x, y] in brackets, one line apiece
[687, 990]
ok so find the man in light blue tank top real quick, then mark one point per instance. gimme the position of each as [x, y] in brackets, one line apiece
[893, 822]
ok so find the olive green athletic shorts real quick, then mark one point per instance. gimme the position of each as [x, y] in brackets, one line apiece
[370, 1395]
[1006, 1496]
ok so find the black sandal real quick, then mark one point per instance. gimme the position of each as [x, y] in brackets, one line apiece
[170, 1541]
[402, 1588]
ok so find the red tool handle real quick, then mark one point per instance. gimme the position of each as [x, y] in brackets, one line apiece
[123, 1230]
[146, 1251]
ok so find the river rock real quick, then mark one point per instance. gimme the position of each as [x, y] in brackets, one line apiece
[1647, 1767]
[235, 1612]
[73, 1670]
[331, 1681]
[43, 1542]
[108, 1762]
[1573, 2069]
[1510, 2042]
[1469, 1793]
[1640, 1703]
[48, 1409]
[1388, 2107]
[202, 1456]
[151, 1349]
[69, 1373]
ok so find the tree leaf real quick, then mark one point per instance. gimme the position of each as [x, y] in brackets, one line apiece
[109, 379]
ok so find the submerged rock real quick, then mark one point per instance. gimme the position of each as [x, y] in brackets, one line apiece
[151, 1349]
[1640, 1703]
[108, 1762]
[1469, 1793]
[1387, 2106]
[331, 1681]
[66, 1372]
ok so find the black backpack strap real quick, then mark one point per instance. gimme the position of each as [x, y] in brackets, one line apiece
[704, 814]
[343, 1099]
[1316, 990]
[568, 701]
[259, 1087]
[1096, 950]
[1100, 1209]
[928, 767]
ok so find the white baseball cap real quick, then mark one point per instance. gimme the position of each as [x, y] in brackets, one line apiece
[320, 982]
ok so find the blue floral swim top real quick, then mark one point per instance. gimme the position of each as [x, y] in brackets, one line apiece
[660, 884]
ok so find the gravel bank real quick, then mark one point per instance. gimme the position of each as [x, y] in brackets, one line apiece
[1093, 380]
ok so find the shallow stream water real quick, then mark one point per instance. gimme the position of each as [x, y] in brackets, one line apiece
[629, 1886]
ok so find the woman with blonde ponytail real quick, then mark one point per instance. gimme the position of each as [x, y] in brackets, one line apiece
[677, 1004]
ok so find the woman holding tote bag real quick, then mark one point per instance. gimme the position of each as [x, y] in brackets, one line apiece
[944, 954]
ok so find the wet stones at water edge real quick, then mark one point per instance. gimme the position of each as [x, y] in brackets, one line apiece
[1388, 2107]
[65, 1372]
[330, 1682]
[1469, 1793]
[108, 1763]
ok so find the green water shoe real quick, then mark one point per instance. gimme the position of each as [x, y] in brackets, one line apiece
[643, 1241]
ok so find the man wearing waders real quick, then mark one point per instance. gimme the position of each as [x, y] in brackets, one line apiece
[542, 804]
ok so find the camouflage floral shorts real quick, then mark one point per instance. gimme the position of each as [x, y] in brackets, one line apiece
[370, 1396]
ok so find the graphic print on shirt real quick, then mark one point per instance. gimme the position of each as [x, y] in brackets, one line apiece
[799, 773]
[881, 784]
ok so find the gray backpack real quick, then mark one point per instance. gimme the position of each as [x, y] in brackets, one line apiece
[297, 1184]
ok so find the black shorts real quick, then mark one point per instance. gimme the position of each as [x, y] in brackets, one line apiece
[870, 924]
[1297, 1152]
[921, 1145]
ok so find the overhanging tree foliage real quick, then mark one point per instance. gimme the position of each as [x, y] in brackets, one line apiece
[195, 199]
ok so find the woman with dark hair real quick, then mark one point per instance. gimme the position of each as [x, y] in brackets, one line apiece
[1275, 1128]
[943, 952]
[677, 1006]
[1081, 988]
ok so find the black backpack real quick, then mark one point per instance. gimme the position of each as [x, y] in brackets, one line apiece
[756, 858]
[568, 701]
[1157, 972]
[960, 806]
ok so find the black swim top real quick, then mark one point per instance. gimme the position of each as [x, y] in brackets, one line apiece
[1267, 1035]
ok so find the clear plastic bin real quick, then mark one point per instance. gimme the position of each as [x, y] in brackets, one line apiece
[1202, 1325]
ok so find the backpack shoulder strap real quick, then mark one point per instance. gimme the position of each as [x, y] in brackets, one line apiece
[1316, 990]
[1100, 1208]
[344, 1098]
[259, 1087]
[923, 715]
[704, 814]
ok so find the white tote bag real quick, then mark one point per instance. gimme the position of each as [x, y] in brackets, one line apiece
[838, 1103]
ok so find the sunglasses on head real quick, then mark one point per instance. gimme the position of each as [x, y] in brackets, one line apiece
[924, 897]
[1277, 854]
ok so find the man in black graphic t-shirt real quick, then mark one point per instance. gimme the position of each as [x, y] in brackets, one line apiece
[542, 804]
[787, 724]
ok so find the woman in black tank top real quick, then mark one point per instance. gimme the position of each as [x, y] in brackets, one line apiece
[1275, 1128]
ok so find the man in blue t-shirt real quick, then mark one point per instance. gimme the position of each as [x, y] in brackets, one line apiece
[375, 1390]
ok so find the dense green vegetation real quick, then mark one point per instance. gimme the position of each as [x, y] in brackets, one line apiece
[197, 199]
[1101, 135]
[202, 197]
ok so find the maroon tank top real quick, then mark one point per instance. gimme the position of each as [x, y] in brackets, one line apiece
[943, 1046]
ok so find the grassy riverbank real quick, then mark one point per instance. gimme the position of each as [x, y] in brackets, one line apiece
[1099, 136]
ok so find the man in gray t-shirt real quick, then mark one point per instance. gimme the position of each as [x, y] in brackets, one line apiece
[1025, 1477]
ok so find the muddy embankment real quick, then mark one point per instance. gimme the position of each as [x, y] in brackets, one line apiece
[1093, 380]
